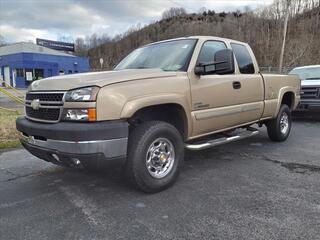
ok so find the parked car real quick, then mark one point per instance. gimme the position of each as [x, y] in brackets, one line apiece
[165, 97]
[310, 86]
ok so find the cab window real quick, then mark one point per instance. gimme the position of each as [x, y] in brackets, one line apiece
[243, 58]
[208, 50]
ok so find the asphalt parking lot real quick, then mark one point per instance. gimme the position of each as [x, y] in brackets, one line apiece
[253, 189]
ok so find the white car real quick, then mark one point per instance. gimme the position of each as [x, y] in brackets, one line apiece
[310, 85]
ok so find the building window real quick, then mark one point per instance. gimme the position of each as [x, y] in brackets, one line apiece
[20, 72]
[29, 74]
[38, 74]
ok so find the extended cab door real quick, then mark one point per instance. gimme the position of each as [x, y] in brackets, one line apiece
[251, 93]
[223, 101]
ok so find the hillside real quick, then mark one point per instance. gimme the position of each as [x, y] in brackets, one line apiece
[261, 29]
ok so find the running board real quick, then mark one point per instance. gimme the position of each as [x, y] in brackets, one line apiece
[219, 141]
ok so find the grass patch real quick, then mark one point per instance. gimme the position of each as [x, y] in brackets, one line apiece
[10, 144]
[9, 136]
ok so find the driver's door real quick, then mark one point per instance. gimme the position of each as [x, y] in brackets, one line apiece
[214, 97]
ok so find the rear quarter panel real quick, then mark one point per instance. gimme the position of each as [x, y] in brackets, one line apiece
[276, 86]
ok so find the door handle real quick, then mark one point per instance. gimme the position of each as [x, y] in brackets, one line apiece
[236, 85]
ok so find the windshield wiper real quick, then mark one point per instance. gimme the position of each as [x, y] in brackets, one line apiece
[313, 78]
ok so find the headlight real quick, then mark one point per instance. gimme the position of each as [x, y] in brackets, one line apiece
[86, 94]
[80, 115]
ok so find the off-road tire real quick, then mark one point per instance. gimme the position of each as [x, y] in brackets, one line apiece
[274, 126]
[140, 139]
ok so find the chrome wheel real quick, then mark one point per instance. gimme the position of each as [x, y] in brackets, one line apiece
[160, 157]
[284, 123]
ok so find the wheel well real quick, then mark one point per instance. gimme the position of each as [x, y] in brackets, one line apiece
[288, 99]
[171, 113]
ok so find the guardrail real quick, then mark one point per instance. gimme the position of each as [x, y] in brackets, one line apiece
[269, 69]
[15, 98]
[10, 110]
[12, 88]
[10, 95]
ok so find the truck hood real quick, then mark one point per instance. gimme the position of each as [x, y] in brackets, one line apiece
[313, 82]
[72, 81]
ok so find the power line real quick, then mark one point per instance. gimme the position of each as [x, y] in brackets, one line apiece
[178, 4]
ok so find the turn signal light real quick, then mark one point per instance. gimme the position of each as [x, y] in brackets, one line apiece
[92, 114]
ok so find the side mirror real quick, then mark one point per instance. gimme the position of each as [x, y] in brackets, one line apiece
[223, 64]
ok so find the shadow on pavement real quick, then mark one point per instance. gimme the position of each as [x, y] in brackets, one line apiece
[306, 115]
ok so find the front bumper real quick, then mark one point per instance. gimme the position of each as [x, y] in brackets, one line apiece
[306, 103]
[75, 144]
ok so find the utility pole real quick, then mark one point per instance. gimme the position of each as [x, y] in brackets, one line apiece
[288, 3]
[101, 62]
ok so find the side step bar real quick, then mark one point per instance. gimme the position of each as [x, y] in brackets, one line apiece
[219, 141]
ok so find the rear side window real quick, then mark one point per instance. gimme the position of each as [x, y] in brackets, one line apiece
[243, 57]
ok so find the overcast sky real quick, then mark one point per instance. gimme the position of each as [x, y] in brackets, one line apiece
[25, 20]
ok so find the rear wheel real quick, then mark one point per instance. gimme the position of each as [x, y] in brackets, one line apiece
[155, 154]
[280, 127]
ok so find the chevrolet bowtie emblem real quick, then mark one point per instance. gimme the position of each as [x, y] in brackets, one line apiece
[35, 104]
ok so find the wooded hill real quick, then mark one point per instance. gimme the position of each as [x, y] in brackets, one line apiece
[262, 29]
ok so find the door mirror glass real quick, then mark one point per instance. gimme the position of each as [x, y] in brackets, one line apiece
[223, 63]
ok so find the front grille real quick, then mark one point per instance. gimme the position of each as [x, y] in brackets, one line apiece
[47, 97]
[44, 106]
[48, 114]
[310, 92]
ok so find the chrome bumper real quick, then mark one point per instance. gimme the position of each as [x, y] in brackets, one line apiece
[310, 102]
[111, 148]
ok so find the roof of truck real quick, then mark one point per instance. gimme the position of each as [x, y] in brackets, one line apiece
[309, 66]
[200, 37]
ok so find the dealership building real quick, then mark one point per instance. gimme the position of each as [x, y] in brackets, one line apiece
[22, 63]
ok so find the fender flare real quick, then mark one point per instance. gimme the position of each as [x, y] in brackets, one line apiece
[135, 104]
[282, 92]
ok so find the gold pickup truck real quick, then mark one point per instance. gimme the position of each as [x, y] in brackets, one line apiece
[185, 93]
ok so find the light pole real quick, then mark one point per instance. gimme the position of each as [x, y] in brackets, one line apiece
[101, 62]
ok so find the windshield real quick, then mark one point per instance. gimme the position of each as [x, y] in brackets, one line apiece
[168, 56]
[307, 73]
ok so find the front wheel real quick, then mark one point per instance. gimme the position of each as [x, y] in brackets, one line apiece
[280, 127]
[155, 154]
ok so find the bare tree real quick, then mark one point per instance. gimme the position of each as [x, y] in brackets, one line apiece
[81, 49]
[2, 41]
[173, 12]
[263, 29]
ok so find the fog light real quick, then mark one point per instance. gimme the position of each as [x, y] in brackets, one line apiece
[75, 161]
[55, 156]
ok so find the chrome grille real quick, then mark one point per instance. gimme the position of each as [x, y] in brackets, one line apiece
[44, 106]
[310, 92]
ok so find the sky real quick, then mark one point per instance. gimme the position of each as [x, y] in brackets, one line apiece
[26, 20]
